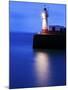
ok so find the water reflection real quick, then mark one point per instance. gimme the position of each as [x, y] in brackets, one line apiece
[42, 67]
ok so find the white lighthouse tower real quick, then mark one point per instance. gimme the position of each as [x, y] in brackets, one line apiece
[44, 21]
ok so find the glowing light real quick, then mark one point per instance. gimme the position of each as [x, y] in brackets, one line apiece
[44, 21]
[43, 15]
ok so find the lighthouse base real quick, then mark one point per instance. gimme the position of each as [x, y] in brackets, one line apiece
[57, 41]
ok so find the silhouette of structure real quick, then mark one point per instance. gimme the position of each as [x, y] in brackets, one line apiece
[54, 38]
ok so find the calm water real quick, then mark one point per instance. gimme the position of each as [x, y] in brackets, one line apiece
[30, 68]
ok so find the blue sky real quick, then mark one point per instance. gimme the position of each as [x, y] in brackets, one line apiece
[26, 16]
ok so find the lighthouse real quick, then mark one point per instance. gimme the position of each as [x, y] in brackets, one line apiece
[44, 16]
[47, 39]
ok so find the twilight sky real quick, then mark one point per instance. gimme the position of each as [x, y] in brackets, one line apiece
[26, 16]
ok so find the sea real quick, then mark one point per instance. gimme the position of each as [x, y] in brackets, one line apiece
[34, 68]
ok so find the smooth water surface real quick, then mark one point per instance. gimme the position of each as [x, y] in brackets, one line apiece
[33, 68]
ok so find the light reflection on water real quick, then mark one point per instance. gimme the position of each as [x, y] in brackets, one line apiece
[32, 68]
[42, 67]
